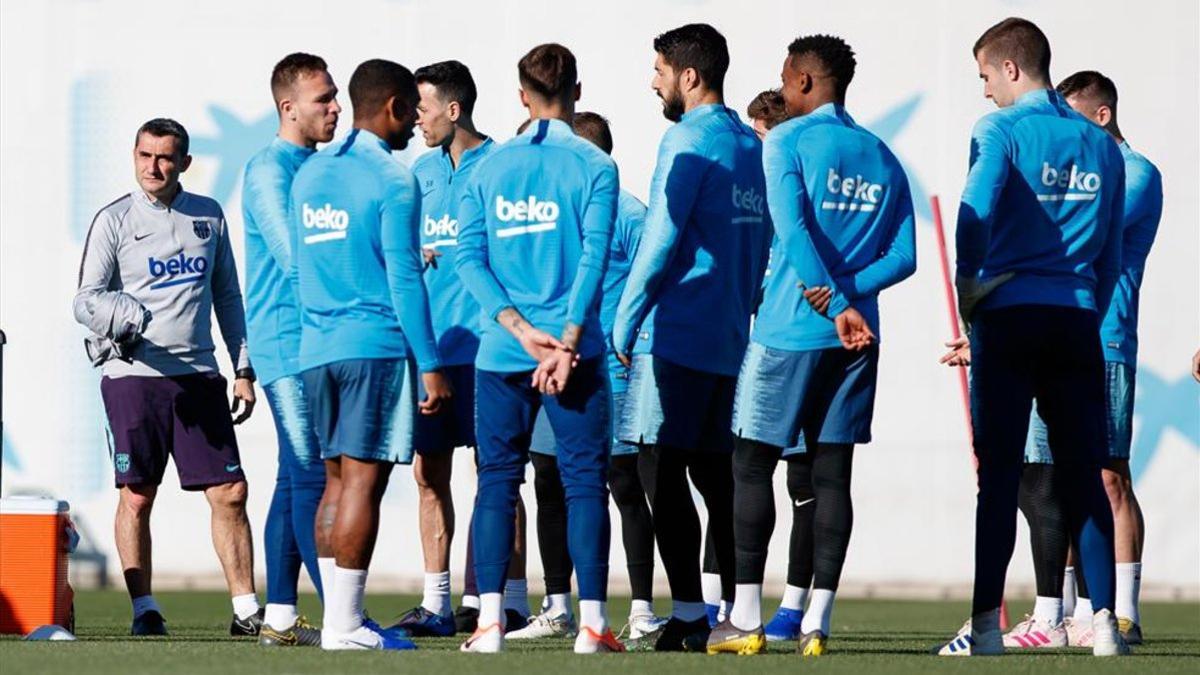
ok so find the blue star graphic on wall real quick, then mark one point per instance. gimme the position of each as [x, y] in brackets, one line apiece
[233, 145]
[887, 127]
[1161, 405]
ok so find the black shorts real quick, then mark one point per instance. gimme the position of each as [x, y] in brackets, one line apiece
[187, 416]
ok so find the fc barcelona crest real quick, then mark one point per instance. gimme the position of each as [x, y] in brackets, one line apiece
[202, 228]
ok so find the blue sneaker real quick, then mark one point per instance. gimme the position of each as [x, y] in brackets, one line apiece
[368, 636]
[420, 622]
[714, 613]
[395, 632]
[785, 625]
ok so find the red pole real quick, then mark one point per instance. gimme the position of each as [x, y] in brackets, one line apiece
[952, 307]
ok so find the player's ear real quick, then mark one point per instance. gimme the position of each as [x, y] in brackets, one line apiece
[1104, 115]
[1011, 70]
[287, 110]
[187, 161]
[578, 91]
[453, 111]
[524, 97]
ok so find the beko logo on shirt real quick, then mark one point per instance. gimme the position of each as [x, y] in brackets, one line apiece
[324, 218]
[191, 268]
[862, 194]
[445, 229]
[1081, 186]
[542, 216]
[747, 199]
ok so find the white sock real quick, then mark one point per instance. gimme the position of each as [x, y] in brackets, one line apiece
[437, 593]
[641, 608]
[794, 598]
[723, 610]
[710, 588]
[344, 610]
[471, 601]
[516, 596]
[143, 604]
[1129, 587]
[325, 569]
[1069, 591]
[280, 617]
[491, 609]
[1083, 609]
[594, 614]
[245, 606]
[558, 604]
[747, 607]
[980, 623]
[687, 611]
[1049, 610]
[820, 609]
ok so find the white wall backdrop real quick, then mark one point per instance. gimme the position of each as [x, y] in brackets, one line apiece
[79, 76]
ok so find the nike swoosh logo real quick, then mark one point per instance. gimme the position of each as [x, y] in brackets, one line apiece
[806, 501]
[139, 237]
[230, 468]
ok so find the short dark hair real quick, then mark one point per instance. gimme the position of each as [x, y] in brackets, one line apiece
[164, 126]
[453, 83]
[1017, 40]
[377, 80]
[290, 68]
[834, 55]
[698, 46]
[768, 106]
[549, 71]
[1091, 85]
[593, 127]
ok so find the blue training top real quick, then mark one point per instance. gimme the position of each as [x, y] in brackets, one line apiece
[843, 217]
[455, 312]
[272, 313]
[697, 274]
[1143, 208]
[1044, 199]
[534, 227]
[358, 257]
[627, 236]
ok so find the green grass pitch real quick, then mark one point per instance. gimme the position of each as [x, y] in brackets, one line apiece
[868, 635]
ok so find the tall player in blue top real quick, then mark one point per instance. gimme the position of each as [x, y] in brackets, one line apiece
[306, 100]
[447, 100]
[843, 218]
[684, 318]
[364, 321]
[1039, 251]
[534, 227]
[637, 525]
[1094, 96]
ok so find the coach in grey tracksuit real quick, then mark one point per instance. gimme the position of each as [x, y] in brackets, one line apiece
[156, 266]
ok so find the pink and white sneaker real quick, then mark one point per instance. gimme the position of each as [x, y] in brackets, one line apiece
[1036, 634]
[1079, 633]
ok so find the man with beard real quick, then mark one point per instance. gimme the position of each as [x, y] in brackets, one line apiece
[683, 320]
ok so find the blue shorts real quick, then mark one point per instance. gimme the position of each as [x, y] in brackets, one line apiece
[675, 406]
[541, 441]
[363, 408]
[787, 398]
[454, 426]
[293, 423]
[1120, 381]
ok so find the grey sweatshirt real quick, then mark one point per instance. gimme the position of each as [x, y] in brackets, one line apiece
[176, 261]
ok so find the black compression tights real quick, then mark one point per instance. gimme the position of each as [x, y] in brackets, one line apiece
[664, 473]
[551, 523]
[637, 524]
[1040, 501]
[819, 542]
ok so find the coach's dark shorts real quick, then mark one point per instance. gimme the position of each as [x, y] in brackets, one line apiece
[186, 417]
[454, 425]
